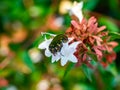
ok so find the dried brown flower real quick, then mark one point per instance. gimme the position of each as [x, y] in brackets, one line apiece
[95, 42]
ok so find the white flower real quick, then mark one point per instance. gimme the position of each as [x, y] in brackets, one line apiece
[43, 85]
[66, 53]
[45, 45]
[76, 10]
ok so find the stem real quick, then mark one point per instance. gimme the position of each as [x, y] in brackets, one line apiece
[99, 81]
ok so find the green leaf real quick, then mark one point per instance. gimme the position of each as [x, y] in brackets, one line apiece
[27, 60]
[111, 26]
[116, 80]
[41, 38]
[19, 78]
[92, 55]
[14, 46]
[38, 41]
[87, 71]
[114, 35]
[114, 8]
[69, 67]
[90, 4]
[117, 49]
[112, 69]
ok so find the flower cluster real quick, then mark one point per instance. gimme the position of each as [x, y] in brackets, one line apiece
[95, 42]
[65, 54]
[86, 42]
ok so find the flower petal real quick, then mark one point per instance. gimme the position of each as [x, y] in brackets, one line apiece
[47, 53]
[59, 56]
[76, 10]
[55, 58]
[63, 61]
[73, 59]
[44, 44]
[113, 44]
[75, 24]
[64, 49]
[70, 39]
[74, 45]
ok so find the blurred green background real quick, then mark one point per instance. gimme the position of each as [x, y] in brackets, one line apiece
[24, 67]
